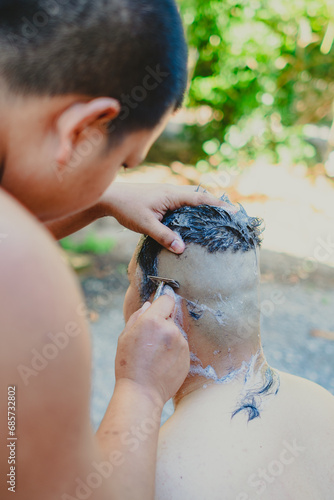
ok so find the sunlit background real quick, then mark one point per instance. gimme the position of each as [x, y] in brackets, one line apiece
[258, 125]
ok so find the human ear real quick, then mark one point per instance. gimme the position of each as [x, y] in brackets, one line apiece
[78, 118]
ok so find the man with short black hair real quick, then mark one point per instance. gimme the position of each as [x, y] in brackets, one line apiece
[86, 86]
[240, 429]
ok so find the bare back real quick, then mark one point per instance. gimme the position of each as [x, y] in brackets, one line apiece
[287, 453]
[45, 355]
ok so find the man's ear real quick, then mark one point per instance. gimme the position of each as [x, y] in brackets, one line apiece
[80, 116]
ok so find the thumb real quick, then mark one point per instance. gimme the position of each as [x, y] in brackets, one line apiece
[163, 307]
[133, 318]
[166, 237]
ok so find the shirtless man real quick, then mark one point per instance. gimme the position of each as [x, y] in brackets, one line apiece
[85, 87]
[241, 429]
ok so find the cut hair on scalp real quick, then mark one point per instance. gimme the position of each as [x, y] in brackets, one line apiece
[131, 50]
[213, 228]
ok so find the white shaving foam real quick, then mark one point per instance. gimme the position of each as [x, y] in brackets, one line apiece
[178, 315]
[209, 372]
[218, 314]
[193, 357]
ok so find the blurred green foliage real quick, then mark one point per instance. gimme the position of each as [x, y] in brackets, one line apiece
[92, 243]
[261, 69]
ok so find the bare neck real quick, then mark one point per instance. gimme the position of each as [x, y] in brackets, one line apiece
[223, 365]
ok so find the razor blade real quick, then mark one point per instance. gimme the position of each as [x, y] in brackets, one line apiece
[161, 283]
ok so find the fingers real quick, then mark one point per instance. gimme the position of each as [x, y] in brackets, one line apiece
[172, 241]
[133, 318]
[163, 307]
[166, 237]
[168, 290]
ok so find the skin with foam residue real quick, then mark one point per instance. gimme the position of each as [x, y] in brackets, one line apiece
[236, 421]
[217, 292]
[220, 290]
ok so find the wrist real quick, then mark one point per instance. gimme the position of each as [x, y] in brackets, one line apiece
[109, 200]
[141, 393]
[101, 209]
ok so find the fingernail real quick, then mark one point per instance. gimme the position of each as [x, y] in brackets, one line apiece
[177, 246]
[168, 290]
[146, 306]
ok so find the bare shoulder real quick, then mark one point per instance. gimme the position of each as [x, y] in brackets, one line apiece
[20, 233]
[39, 294]
[310, 408]
[19, 227]
[44, 335]
[307, 395]
[33, 272]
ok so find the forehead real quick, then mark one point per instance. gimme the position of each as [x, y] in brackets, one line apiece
[204, 274]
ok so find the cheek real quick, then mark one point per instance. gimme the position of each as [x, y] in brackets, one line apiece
[95, 181]
[131, 302]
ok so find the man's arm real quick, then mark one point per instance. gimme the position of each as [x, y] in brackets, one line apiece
[45, 353]
[61, 228]
[143, 387]
[139, 207]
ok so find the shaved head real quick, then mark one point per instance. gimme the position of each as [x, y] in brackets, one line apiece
[218, 271]
[219, 289]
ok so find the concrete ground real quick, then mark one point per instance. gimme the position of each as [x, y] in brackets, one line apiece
[297, 312]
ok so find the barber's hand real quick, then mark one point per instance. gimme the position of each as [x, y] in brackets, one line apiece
[152, 351]
[141, 207]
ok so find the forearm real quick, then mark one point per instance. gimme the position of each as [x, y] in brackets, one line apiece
[61, 228]
[107, 205]
[128, 439]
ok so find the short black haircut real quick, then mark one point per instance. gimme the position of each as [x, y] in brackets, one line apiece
[132, 50]
[211, 227]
